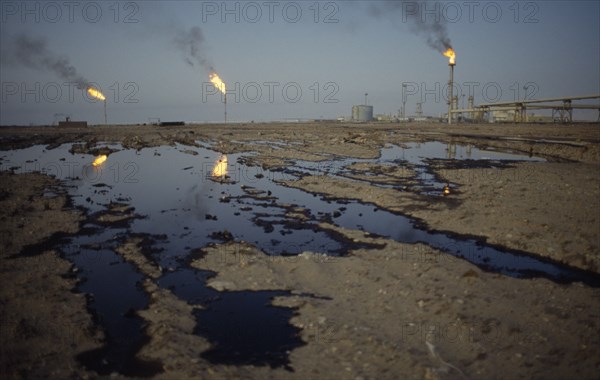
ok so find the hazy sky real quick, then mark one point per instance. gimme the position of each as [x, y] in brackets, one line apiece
[268, 52]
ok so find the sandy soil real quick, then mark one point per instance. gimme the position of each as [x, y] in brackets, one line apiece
[44, 322]
[521, 208]
[402, 310]
[549, 209]
[387, 313]
[388, 306]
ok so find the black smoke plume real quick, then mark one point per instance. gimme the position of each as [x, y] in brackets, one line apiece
[431, 26]
[191, 44]
[34, 53]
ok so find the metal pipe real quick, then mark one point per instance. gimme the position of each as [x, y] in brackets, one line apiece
[225, 102]
[566, 98]
[403, 100]
[450, 93]
[532, 107]
[105, 118]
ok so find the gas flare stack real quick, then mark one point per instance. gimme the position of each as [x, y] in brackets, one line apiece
[220, 85]
[451, 62]
[96, 94]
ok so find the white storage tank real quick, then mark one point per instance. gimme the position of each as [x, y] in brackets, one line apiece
[362, 113]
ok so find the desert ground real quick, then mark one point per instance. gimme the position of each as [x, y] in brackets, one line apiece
[384, 309]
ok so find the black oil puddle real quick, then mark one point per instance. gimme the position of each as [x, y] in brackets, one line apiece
[422, 158]
[115, 293]
[244, 328]
[191, 220]
[508, 262]
[112, 302]
[178, 199]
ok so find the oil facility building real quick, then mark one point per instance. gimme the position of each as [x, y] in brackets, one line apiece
[362, 113]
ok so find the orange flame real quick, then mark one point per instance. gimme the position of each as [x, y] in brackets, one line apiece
[219, 84]
[220, 169]
[451, 55]
[95, 93]
[99, 160]
[446, 190]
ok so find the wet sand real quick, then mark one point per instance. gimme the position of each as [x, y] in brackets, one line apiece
[399, 310]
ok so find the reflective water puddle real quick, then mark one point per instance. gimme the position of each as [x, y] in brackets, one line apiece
[181, 205]
[420, 158]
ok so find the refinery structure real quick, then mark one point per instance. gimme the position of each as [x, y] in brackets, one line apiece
[558, 109]
[514, 111]
[562, 108]
[518, 111]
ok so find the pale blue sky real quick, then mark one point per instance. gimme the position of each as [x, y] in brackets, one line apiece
[558, 55]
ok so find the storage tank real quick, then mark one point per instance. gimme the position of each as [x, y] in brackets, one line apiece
[362, 113]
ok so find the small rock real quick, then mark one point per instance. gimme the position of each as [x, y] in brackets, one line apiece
[221, 285]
